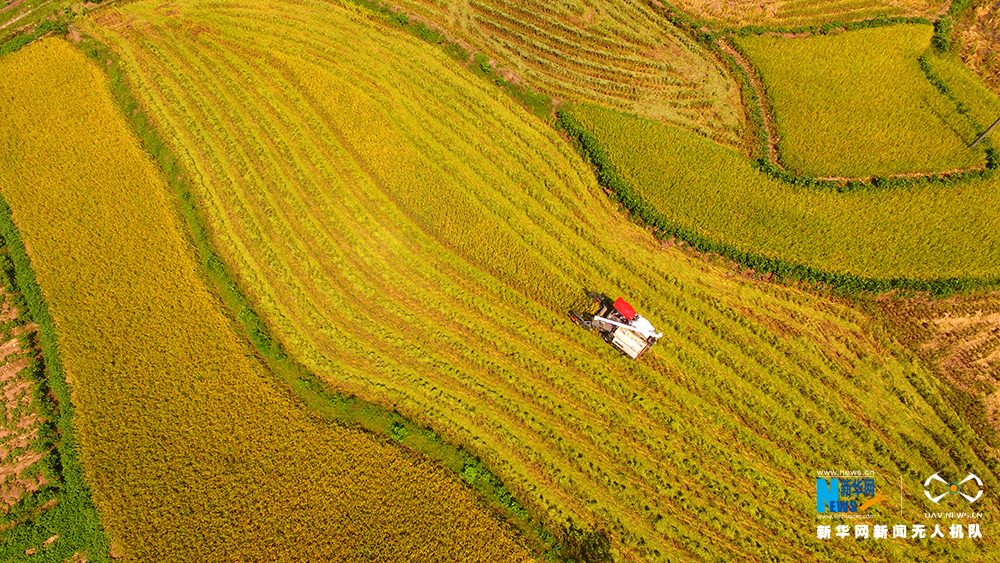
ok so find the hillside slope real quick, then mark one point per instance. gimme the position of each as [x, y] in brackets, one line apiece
[191, 448]
[415, 238]
[620, 53]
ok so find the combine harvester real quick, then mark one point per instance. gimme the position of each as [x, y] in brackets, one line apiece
[619, 325]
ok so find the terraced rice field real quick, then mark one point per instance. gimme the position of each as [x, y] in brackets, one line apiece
[794, 13]
[415, 238]
[192, 450]
[921, 232]
[857, 104]
[620, 53]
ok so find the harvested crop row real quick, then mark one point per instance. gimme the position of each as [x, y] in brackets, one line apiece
[620, 53]
[415, 238]
[193, 452]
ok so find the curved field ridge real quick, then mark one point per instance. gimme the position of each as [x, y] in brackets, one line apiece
[619, 53]
[191, 449]
[857, 104]
[414, 237]
[924, 232]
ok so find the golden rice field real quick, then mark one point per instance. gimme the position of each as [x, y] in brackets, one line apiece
[794, 13]
[191, 448]
[414, 238]
[857, 104]
[620, 53]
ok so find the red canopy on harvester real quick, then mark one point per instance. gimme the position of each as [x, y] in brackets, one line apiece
[625, 309]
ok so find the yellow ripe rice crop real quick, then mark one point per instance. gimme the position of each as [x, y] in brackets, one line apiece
[414, 237]
[193, 451]
[620, 53]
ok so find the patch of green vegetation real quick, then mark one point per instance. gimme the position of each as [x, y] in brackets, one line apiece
[31, 19]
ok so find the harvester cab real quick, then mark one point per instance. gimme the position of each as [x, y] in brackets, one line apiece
[619, 325]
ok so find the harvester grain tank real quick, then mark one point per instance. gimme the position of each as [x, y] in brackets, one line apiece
[619, 325]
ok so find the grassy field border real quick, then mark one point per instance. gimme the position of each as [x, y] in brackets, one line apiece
[844, 284]
[317, 396]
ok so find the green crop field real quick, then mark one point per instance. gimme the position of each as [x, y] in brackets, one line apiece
[620, 53]
[22, 21]
[927, 231]
[192, 450]
[857, 104]
[794, 13]
[415, 238]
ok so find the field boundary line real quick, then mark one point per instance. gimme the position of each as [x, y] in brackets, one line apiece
[769, 134]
